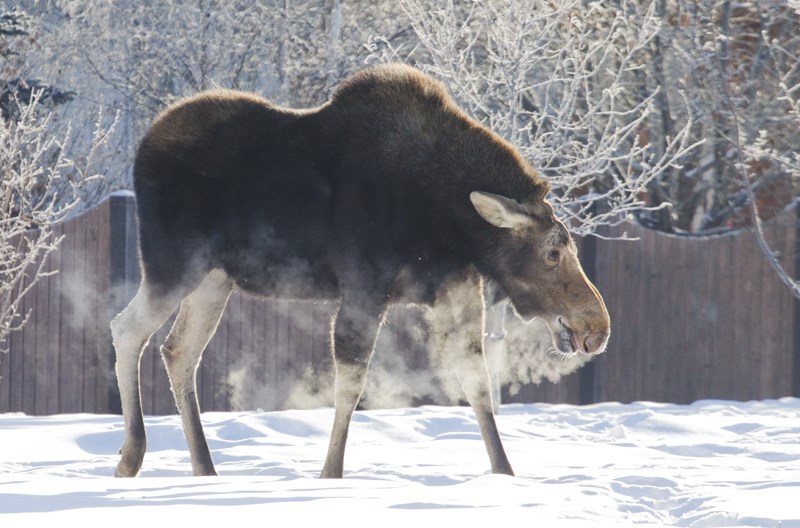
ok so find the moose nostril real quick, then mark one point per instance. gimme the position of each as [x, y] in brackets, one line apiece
[595, 343]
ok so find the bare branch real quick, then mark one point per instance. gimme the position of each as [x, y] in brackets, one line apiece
[37, 190]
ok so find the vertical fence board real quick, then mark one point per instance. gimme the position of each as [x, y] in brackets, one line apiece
[77, 320]
[621, 275]
[754, 363]
[54, 327]
[217, 361]
[677, 293]
[15, 369]
[90, 367]
[323, 358]
[205, 372]
[702, 298]
[604, 281]
[255, 337]
[271, 392]
[258, 371]
[712, 275]
[743, 294]
[301, 357]
[778, 334]
[29, 353]
[68, 382]
[785, 336]
[282, 337]
[725, 289]
[252, 376]
[102, 313]
[42, 355]
[236, 347]
[782, 338]
[649, 276]
[5, 375]
[630, 346]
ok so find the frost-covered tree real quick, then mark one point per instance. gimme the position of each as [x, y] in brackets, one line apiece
[15, 40]
[765, 132]
[737, 64]
[38, 188]
[39, 179]
[560, 80]
[137, 57]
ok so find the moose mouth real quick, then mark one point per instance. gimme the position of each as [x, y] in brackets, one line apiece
[565, 340]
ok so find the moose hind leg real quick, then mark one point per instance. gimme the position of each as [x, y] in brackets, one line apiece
[131, 330]
[355, 330]
[197, 320]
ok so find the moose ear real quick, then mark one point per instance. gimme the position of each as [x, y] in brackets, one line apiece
[499, 210]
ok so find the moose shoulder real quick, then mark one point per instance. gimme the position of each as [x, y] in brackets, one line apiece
[387, 194]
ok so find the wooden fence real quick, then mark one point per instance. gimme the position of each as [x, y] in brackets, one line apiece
[696, 319]
[60, 362]
[691, 319]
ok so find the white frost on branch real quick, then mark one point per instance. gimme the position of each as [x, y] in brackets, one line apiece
[764, 147]
[38, 188]
[559, 81]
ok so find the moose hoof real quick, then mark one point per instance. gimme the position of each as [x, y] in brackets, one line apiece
[123, 471]
[129, 466]
[330, 474]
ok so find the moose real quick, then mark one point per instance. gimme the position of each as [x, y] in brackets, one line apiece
[386, 194]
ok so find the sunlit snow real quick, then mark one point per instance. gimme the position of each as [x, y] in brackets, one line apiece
[713, 463]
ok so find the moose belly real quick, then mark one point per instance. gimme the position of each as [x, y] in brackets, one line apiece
[288, 277]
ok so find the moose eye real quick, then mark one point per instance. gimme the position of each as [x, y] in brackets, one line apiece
[554, 256]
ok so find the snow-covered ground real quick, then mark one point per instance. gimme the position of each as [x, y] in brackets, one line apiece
[713, 463]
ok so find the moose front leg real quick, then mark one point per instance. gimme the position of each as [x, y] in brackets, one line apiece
[474, 378]
[350, 381]
[458, 323]
[355, 330]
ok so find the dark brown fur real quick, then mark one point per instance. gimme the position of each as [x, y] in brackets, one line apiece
[387, 194]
